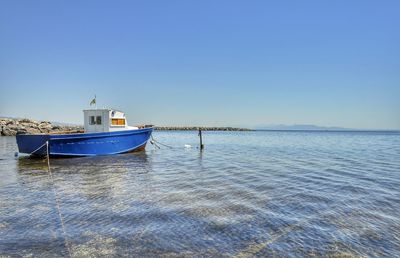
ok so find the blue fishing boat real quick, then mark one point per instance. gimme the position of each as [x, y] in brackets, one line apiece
[105, 132]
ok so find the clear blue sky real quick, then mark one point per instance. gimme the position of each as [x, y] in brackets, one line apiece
[227, 63]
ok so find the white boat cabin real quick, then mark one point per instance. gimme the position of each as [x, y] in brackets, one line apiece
[105, 120]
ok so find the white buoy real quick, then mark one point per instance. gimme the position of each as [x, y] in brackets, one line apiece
[188, 146]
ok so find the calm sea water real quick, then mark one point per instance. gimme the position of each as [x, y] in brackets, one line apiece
[283, 194]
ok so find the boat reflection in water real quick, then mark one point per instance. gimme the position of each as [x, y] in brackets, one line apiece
[86, 165]
[93, 177]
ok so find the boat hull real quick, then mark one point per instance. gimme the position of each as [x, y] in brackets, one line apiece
[84, 144]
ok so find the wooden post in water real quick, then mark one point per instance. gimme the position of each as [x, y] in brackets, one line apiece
[201, 140]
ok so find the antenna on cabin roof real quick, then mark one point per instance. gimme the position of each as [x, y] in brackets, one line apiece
[93, 102]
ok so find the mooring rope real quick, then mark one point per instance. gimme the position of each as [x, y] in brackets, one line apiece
[41, 146]
[153, 141]
[66, 242]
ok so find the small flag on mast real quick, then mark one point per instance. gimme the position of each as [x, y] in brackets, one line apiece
[93, 102]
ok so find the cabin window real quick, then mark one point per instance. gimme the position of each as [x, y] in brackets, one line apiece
[95, 120]
[117, 121]
[92, 121]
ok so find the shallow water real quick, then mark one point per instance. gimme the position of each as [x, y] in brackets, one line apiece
[284, 194]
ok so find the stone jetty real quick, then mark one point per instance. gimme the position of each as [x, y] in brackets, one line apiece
[12, 126]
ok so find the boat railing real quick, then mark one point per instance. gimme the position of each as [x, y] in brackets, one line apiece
[67, 132]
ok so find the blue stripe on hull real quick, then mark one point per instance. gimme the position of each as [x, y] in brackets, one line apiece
[85, 144]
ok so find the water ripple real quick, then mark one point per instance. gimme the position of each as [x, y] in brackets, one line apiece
[296, 194]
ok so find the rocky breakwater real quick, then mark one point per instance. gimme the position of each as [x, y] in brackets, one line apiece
[193, 128]
[11, 126]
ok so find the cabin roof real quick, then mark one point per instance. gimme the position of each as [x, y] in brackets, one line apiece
[103, 109]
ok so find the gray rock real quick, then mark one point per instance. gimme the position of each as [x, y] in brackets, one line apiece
[7, 132]
[46, 126]
[31, 130]
[26, 120]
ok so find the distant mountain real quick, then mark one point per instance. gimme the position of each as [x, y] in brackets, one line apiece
[300, 128]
